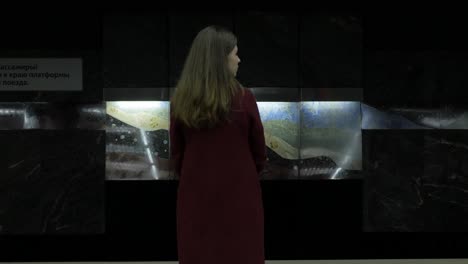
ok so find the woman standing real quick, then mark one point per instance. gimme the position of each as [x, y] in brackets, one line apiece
[217, 150]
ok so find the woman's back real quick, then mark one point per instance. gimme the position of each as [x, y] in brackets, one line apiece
[219, 201]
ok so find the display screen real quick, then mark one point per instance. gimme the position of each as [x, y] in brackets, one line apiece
[305, 140]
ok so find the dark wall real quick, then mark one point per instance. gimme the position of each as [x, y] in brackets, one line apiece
[56, 35]
[141, 53]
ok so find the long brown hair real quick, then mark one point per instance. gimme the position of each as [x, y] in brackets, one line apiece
[206, 87]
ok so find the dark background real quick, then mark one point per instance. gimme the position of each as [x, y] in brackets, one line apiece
[137, 54]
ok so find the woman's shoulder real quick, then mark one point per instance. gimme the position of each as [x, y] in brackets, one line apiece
[248, 93]
[245, 90]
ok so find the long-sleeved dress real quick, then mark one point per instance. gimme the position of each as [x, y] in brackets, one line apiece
[219, 200]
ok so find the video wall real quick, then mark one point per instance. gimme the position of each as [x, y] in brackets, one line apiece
[304, 139]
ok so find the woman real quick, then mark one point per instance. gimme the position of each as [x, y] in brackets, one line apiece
[217, 150]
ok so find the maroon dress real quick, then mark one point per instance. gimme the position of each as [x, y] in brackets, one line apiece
[219, 199]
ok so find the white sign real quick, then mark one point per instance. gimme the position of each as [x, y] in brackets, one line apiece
[41, 74]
